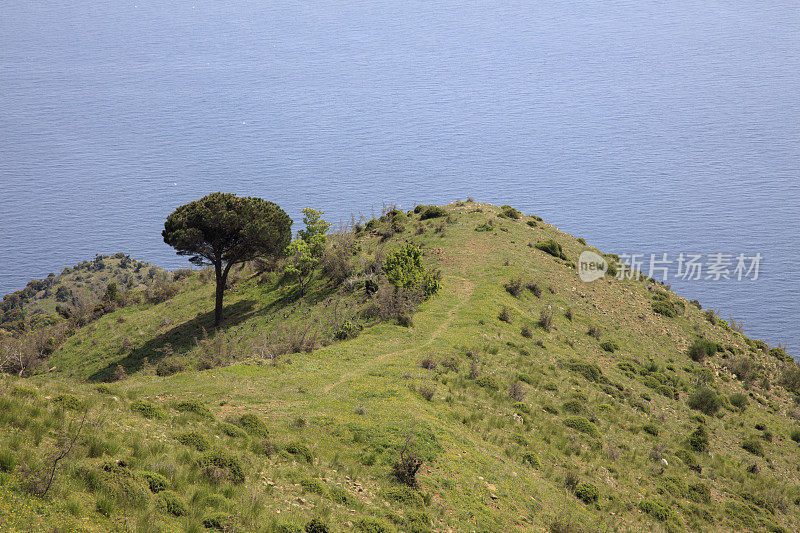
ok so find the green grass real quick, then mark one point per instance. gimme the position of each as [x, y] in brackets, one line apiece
[261, 441]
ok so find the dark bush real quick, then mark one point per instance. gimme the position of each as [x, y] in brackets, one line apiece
[155, 481]
[514, 287]
[741, 367]
[699, 492]
[739, 401]
[609, 346]
[701, 348]
[535, 288]
[432, 211]
[298, 449]
[705, 400]
[698, 440]
[546, 319]
[790, 379]
[753, 445]
[217, 520]
[7, 461]
[510, 212]
[780, 354]
[193, 406]
[651, 428]
[583, 425]
[169, 366]
[586, 492]
[407, 466]
[147, 409]
[252, 424]
[488, 382]
[232, 430]
[505, 315]
[171, 503]
[551, 247]
[665, 307]
[225, 461]
[595, 331]
[194, 439]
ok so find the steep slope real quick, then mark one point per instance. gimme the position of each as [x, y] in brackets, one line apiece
[522, 419]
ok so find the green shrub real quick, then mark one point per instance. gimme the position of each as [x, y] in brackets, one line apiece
[194, 439]
[739, 400]
[514, 287]
[300, 450]
[582, 424]
[795, 435]
[651, 428]
[231, 430]
[657, 510]
[689, 460]
[369, 525]
[780, 354]
[147, 409]
[225, 461]
[522, 407]
[431, 211]
[573, 406]
[252, 424]
[67, 401]
[701, 348]
[551, 247]
[7, 461]
[674, 486]
[169, 366]
[698, 440]
[341, 496]
[193, 406]
[171, 503]
[218, 520]
[590, 371]
[504, 315]
[586, 492]
[314, 486]
[531, 459]
[705, 400]
[316, 526]
[699, 492]
[488, 382]
[609, 346]
[753, 445]
[665, 307]
[418, 522]
[510, 212]
[155, 481]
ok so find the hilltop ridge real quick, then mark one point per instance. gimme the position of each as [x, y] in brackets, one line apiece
[527, 399]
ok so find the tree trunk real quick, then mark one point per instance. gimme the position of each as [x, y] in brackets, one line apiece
[222, 279]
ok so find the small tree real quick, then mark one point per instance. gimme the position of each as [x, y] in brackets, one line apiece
[306, 250]
[222, 230]
[404, 270]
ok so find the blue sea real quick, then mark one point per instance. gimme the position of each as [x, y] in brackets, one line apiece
[643, 126]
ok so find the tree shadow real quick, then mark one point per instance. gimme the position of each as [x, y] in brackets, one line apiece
[176, 341]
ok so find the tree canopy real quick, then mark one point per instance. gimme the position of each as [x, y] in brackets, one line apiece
[222, 229]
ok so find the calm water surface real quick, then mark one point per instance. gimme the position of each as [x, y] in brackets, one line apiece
[650, 127]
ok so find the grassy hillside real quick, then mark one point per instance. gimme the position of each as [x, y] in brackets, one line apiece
[82, 284]
[534, 401]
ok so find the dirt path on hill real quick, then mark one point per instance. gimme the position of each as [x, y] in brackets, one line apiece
[464, 290]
